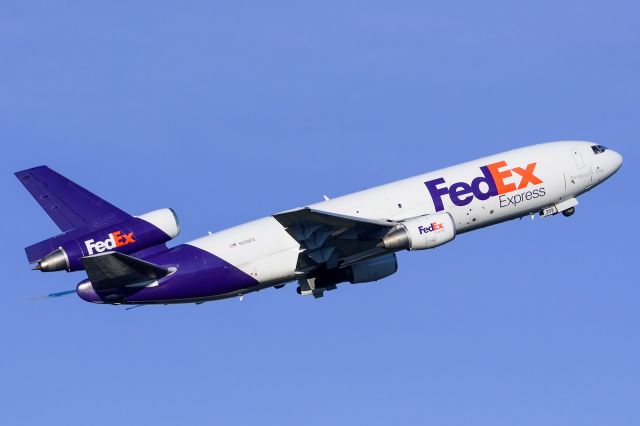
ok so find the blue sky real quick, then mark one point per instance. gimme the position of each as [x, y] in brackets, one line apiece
[230, 111]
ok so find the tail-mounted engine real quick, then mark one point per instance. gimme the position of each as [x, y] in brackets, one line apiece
[139, 233]
[419, 233]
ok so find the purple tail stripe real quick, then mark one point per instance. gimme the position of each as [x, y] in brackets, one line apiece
[199, 274]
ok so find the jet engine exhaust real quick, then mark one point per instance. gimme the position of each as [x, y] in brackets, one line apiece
[55, 261]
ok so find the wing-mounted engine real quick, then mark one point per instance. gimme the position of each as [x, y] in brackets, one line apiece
[132, 235]
[419, 233]
[364, 271]
[335, 248]
[373, 269]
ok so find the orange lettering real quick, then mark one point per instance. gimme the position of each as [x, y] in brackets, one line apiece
[499, 177]
[527, 176]
[128, 238]
[116, 238]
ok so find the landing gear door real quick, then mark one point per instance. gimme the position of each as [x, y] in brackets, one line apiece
[577, 158]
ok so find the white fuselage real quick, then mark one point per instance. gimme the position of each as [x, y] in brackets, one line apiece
[527, 180]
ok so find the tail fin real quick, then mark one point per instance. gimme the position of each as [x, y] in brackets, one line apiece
[68, 204]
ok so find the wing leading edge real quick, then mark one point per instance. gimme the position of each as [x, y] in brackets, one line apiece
[332, 240]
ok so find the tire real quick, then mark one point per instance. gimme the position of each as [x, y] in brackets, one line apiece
[569, 212]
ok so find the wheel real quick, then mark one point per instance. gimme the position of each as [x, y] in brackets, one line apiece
[568, 212]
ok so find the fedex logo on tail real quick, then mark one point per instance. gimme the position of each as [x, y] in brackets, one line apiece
[116, 239]
[497, 178]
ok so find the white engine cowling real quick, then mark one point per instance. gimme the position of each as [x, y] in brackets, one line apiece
[419, 233]
[164, 219]
[373, 269]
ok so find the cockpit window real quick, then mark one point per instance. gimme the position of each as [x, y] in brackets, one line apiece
[598, 149]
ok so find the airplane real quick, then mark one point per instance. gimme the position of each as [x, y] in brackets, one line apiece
[352, 238]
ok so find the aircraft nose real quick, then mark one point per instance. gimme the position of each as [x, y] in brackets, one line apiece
[616, 161]
[610, 162]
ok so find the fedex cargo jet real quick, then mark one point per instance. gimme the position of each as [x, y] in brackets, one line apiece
[353, 238]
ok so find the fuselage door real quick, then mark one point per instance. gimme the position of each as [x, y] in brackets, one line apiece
[577, 157]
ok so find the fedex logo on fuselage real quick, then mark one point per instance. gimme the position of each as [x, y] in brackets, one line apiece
[434, 226]
[497, 180]
[116, 239]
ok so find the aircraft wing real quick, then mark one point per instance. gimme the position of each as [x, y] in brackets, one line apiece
[332, 240]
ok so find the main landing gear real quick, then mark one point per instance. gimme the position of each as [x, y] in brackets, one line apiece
[569, 212]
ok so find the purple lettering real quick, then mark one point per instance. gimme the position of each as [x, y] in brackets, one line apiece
[488, 179]
[459, 189]
[437, 193]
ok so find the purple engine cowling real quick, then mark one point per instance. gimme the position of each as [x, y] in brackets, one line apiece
[64, 252]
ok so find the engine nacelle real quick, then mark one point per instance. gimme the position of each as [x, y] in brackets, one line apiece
[364, 271]
[419, 233]
[373, 269]
[133, 235]
[165, 220]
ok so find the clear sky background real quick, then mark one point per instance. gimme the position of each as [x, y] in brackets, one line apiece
[230, 111]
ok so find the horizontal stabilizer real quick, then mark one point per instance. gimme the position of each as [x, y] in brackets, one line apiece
[68, 204]
[113, 270]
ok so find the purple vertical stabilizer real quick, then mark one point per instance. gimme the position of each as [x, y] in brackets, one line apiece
[90, 224]
[68, 204]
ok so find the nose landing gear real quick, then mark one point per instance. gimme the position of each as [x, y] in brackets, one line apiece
[566, 207]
